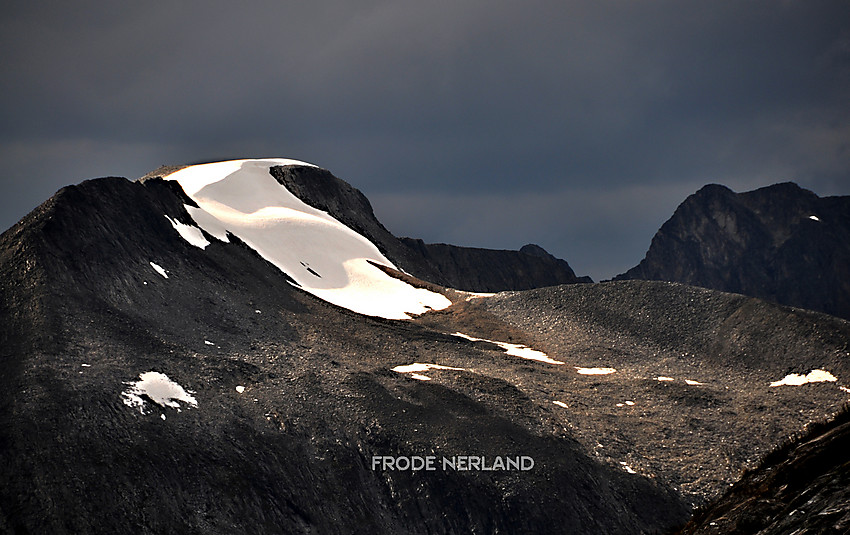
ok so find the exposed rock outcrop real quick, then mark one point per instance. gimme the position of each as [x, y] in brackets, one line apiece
[781, 243]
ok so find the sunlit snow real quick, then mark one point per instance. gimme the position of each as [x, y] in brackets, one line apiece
[692, 383]
[814, 376]
[560, 404]
[814, 218]
[190, 233]
[241, 197]
[159, 389]
[412, 369]
[240, 389]
[159, 269]
[516, 350]
[663, 378]
[595, 371]
[422, 367]
[627, 468]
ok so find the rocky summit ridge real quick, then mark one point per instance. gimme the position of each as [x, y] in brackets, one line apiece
[781, 242]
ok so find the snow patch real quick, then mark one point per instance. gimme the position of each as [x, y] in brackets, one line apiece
[692, 383]
[627, 468]
[240, 389]
[595, 371]
[814, 376]
[412, 369]
[209, 343]
[516, 350]
[814, 218]
[663, 378]
[560, 404]
[242, 198]
[159, 269]
[190, 233]
[423, 367]
[157, 387]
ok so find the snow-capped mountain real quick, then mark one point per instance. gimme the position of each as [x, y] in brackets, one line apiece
[319, 253]
[241, 347]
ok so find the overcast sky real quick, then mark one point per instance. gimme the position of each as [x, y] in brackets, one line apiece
[579, 126]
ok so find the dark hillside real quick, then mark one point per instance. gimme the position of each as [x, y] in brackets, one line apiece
[803, 487]
[291, 450]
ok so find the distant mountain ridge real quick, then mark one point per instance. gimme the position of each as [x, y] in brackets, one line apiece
[782, 243]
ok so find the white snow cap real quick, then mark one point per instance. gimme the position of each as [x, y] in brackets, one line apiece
[323, 256]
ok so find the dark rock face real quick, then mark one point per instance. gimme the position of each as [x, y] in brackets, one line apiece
[84, 313]
[762, 243]
[489, 270]
[803, 487]
[464, 268]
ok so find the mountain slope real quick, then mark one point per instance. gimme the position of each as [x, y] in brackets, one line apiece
[163, 378]
[780, 243]
[803, 487]
[288, 451]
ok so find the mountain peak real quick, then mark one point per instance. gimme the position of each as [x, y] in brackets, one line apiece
[781, 242]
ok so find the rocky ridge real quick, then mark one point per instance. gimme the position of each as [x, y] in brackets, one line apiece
[781, 243]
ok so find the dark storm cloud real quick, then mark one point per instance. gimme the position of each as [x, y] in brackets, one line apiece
[578, 125]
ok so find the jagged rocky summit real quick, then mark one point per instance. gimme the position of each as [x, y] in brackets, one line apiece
[782, 243]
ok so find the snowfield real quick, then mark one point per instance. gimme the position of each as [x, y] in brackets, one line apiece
[323, 256]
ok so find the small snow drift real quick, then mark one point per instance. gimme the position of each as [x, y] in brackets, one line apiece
[190, 233]
[412, 369]
[323, 256]
[516, 350]
[796, 379]
[158, 388]
[595, 371]
[159, 269]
